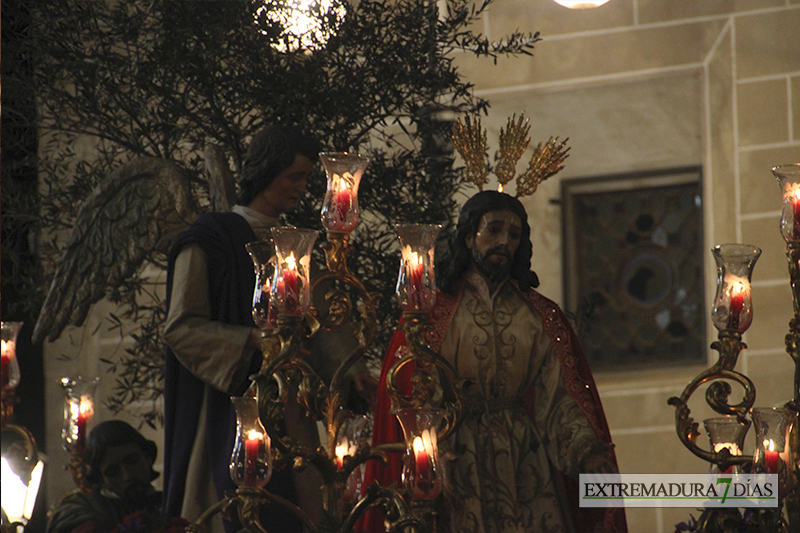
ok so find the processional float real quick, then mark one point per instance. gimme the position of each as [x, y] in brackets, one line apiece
[288, 309]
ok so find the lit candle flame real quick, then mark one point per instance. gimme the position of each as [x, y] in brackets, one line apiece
[291, 262]
[738, 287]
[342, 450]
[412, 258]
[792, 191]
[343, 183]
[8, 349]
[419, 447]
[254, 435]
[86, 407]
[769, 445]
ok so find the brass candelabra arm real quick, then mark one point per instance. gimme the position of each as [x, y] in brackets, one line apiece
[792, 500]
[287, 337]
[336, 396]
[426, 511]
[729, 346]
[337, 312]
[718, 392]
[793, 339]
[379, 451]
[400, 517]
[272, 393]
[686, 428]
[245, 504]
[793, 257]
[793, 349]
[423, 381]
[312, 393]
[336, 248]
[270, 347]
[338, 306]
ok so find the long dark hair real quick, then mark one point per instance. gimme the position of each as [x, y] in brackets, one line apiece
[272, 151]
[461, 256]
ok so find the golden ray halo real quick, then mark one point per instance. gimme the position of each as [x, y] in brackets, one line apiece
[547, 159]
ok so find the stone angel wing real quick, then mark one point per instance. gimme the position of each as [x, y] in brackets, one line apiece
[136, 212]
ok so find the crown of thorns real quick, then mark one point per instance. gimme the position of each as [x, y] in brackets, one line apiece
[469, 138]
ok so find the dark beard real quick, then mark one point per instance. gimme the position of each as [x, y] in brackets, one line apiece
[493, 271]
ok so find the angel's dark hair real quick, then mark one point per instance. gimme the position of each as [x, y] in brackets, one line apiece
[468, 220]
[272, 151]
[114, 433]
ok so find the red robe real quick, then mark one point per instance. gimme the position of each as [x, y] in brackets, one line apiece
[578, 383]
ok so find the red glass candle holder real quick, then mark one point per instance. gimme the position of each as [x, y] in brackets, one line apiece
[733, 304]
[290, 292]
[422, 469]
[773, 455]
[788, 177]
[340, 211]
[726, 432]
[416, 282]
[262, 253]
[79, 395]
[251, 460]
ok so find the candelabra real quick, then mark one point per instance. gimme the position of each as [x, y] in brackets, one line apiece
[21, 465]
[777, 447]
[283, 310]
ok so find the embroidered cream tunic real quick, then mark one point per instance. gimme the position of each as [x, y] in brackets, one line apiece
[502, 478]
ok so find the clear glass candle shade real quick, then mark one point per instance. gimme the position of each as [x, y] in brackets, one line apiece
[340, 211]
[350, 438]
[726, 432]
[416, 282]
[262, 253]
[733, 304]
[789, 180]
[9, 373]
[251, 460]
[79, 395]
[422, 469]
[773, 455]
[290, 292]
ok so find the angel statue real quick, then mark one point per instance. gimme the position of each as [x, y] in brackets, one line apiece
[144, 210]
[132, 216]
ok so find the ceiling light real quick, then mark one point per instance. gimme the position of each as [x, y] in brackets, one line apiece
[580, 4]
